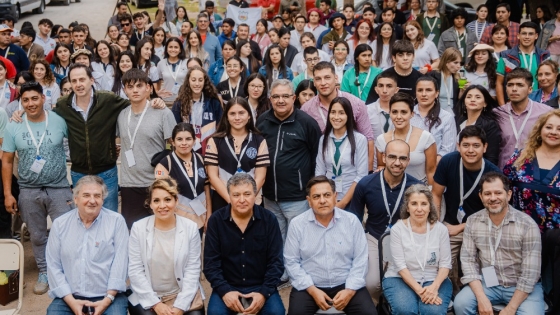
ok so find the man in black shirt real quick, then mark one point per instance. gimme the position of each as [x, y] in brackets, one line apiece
[403, 55]
[239, 3]
[243, 254]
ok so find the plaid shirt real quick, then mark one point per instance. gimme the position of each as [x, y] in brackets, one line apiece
[518, 258]
[513, 32]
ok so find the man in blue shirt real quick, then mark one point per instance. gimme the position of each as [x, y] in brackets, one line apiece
[12, 51]
[227, 31]
[87, 255]
[382, 193]
[243, 254]
[326, 256]
[210, 42]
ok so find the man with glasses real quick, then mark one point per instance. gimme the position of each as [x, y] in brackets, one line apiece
[311, 59]
[307, 39]
[210, 42]
[381, 193]
[293, 140]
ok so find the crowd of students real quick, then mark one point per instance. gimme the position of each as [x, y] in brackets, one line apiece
[270, 147]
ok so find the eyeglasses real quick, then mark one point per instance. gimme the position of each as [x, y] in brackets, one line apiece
[316, 59]
[391, 158]
[125, 24]
[277, 97]
[256, 87]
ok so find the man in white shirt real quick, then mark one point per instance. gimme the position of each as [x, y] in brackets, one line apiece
[297, 32]
[43, 38]
[306, 39]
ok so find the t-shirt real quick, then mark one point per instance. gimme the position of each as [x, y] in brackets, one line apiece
[406, 84]
[172, 80]
[447, 174]
[525, 63]
[224, 90]
[17, 56]
[156, 126]
[425, 54]
[480, 79]
[385, 61]
[16, 138]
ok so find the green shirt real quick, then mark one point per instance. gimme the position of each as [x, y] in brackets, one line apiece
[362, 91]
[297, 80]
[501, 68]
[436, 30]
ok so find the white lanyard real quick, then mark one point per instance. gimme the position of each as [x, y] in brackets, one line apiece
[133, 137]
[530, 63]
[29, 50]
[448, 89]
[459, 38]
[176, 72]
[461, 188]
[253, 111]
[401, 192]
[7, 51]
[493, 248]
[431, 27]
[275, 74]
[38, 145]
[231, 95]
[407, 139]
[515, 130]
[195, 172]
[423, 262]
[479, 35]
[139, 36]
[360, 89]
[337, 166]
[241, 153]
[3, 96]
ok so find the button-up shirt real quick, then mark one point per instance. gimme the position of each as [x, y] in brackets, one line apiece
[249, 261]
[507, 146]
[79, 109]
[518, 257]
[326, 256]
[513, 34]
[313, 107]
[87, 261]
[445, 133]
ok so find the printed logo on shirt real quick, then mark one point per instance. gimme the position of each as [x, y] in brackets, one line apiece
[291, 134]
[208, 116]
[432, 260]
[201, 173]
[251, 153]
[159, 173]
[7, 95]
[49, 93]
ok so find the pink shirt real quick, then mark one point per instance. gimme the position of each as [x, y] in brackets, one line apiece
[554, 47]
[507, 147]
[315, 109]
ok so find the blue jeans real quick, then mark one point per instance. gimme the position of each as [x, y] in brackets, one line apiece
[272, 306]
[118, 307]
[285, 211]
[111, 179]
[465, 302]
[404, 300]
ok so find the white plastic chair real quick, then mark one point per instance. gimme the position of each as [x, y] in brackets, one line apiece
[12, 259]
[24, 228]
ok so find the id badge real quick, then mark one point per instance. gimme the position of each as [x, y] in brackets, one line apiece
[197, 206]
[130, 158]
[460, 214]
[37, 165]
[431, 36]
[490, 277]
[388, 227]
[338, 183]
[175, 89]
[462, 51]
[239, 170]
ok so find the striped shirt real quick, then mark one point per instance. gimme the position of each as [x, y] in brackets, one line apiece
[445, 133]
[87, 261]
[518, 257]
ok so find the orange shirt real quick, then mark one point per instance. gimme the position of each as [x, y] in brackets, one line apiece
[203, 37]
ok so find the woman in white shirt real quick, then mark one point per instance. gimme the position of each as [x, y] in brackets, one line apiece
[43, 74]
[125, 62]
[344, 154]
[164, 258]
[144, 51]
[423, 152]
[382, 47]
[364, 34]
[416, 280]
[481, 68]
[426, 55]
[103, 66]
[159, 40]
[172, 70]
[193, 48]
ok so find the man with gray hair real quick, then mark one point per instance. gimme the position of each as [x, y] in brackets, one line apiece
[243, 254]
[210, 42]
[87, 255]
[293, 141]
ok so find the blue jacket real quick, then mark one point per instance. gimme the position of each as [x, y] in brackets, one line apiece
[222, 38]
[213, 47]
[216, 71]
[512, 55]
[537, 95]
[289, 73]
[545, 34]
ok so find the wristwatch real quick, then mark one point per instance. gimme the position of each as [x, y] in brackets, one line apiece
[110, 297]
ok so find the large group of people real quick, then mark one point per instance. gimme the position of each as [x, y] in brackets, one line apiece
[249, 157]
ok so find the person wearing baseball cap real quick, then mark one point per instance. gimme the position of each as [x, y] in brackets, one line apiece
[11, 21]
[278, 22]
[337, 23]
[10, 51]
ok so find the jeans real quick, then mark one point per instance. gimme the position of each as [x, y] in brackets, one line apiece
[465, 302]
[404, 300]
[118, 307]
[111, 179]
[272, 306]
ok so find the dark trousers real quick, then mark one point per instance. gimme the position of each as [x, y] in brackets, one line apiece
[133, 206]
[139, 310]
[551, 267]
[301, 303]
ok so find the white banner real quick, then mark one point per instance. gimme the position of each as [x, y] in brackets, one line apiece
[249, 16]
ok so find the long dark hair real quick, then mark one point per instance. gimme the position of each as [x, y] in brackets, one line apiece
[302, 86]
[433, 114]
[489, 68]
[117, 84]
[224, 127]
[488, 112]
[350, 126]
[138, 54]
[359, 50]
[268, 64]
[264, 101]
[243, 73]
[182, 126]
[181, 55]
[379, 46]
[265, 24]
[111, 57]
[185, 93]
[55, 60]
[253, 62]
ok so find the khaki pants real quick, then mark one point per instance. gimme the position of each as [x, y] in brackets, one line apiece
[455, 243]
[373, 281]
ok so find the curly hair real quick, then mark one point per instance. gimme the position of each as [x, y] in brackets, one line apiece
[534, 141]
[49, 76]
[184, 96]
[489, 67]
[419, 189]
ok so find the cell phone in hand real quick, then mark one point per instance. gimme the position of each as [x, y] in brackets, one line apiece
[88, 310]
[245, 302]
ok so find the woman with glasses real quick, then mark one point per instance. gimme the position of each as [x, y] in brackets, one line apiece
[217, 70]
[233, 85]
[343, 154]
[60, 61]
[144, 53]
[236, 147]
[257, 94]
[172, 70]
[44, 76]
[125, 62]
[423, 150]
[340, 59]
[274, 66]
[65, 87]
[359, 80]
[364, 34]
[305, 91]
[194, 48]
[103, 66]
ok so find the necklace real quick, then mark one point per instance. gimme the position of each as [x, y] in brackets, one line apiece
[403, 75]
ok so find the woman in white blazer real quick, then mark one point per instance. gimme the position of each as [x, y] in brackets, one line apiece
[164, 258]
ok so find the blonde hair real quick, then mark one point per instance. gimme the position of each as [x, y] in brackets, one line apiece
[167, 184]
[420, 38]
[534, 141]
[449, 55]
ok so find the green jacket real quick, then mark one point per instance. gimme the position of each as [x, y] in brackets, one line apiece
[92, 142]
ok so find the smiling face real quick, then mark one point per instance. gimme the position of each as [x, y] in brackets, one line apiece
[340, 52]
[255, 88]
[146, 51]
[364, 31]
[411, 32]
[550, 133]
[89, 200]
[472, 150]
[338, 117]
[400, 115]
[396, 158]
[418, 207]
[63, 54]
[481, 57]
[499, 37]
[234, 68]
[196, 81]
[193, 40]
[494, 197]
[325, 81]
[39, 72]
[238, 117]
[83, 59]
[81, 82]
[243, 32]
[163, 204]
[282, 99]
[32, 102]
[527, 37]
[125, 63]
[103, 51]
[546, 77]
[183, 142]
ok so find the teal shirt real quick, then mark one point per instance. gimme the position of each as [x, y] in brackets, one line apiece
[349, 82]
[501, 68]
[297, 80]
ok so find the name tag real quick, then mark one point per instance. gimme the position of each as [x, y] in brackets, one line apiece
[37, 165]
[490, 277]
[431, 36]
[130, 158]
[175, 89]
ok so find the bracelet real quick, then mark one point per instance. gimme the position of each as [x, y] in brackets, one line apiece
[429, 66]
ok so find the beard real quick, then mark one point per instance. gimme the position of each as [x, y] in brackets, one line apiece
[497, 211]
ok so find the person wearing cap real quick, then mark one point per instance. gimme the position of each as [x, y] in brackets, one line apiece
[550, 37]
[10, 51]
[315, 20]
[11, 21]
[481, 68]
[338, 31]
[278, 22]
[458, 36]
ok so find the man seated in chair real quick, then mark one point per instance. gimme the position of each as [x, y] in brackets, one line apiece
[326, 256]
[504, 245]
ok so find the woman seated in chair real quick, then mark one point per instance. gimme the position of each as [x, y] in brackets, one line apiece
[164, 258]
[416, 280]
